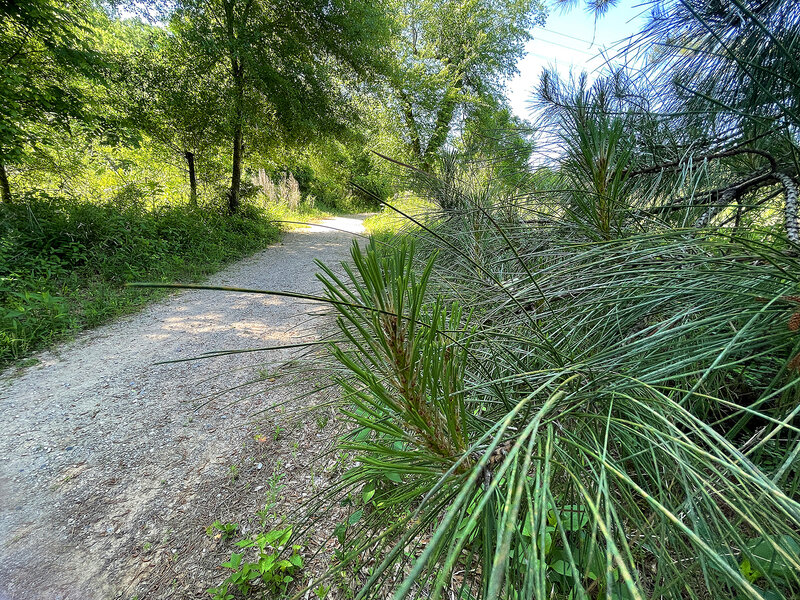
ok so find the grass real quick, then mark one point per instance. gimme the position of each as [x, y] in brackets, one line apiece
[64, 263]
[388, 222]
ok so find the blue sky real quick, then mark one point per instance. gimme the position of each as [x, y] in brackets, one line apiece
[573, 40]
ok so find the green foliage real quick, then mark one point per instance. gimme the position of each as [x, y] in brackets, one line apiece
[389, 221]
[346, 176]
[226, 530]
[283, 65]
[707, 131]
[733, 63]
[44, 51]
[64, 262]
[587, 430]
[452, 56]
[599, 155]
[389, 348]
[173, 100]
[501, 141]
[770, 557]
[267, 571]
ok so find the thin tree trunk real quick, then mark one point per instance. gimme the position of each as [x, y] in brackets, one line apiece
[236, 175]
[192, 177]
[5, 189]
[238, 135]
[235, 27]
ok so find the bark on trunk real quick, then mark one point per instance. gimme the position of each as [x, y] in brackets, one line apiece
[238, 136]
[236, 175]
[192, 177]
[411, 124]
[235, 27]
[5, 189]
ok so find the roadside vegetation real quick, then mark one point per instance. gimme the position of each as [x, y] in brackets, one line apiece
[116, 164]
[64, 262]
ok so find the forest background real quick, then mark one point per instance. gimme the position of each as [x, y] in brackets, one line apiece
[157, 140]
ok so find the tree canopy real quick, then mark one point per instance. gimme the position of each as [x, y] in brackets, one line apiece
[279, 64]
[45, 51]
[451, 57]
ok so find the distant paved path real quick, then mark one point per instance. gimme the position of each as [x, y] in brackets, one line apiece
[99, 448]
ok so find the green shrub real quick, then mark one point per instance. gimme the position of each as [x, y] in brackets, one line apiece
[64, 262]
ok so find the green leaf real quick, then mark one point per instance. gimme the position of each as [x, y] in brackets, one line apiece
[362, 435]
[746, 569]
[279, 537]
[392, 476]
[574, 517]
[769, 594]
[368, 493]
[527, 528]
[340, 531]
[562, 567]
[355, 517]
[767, 560]
[267, 563]
[234, 561]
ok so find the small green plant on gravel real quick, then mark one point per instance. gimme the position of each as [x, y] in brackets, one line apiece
[322, 419]
[277, 433]
[345, 568]
[340, 463]
[167, 536]
[272, 568]
[264, 374]
[234, 471]
[226, 530]
[274, 489]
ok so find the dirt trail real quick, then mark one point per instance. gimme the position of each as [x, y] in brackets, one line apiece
[109, 471]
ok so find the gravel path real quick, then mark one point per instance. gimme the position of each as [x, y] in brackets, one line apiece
[111, 467]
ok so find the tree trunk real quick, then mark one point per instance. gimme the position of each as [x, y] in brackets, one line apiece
[238, 135]
[5, 189]
[235, 27]
[442, 130]
[236, 175]
[192, 177]
[411, 125]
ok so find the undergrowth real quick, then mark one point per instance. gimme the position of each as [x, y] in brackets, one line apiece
[64, 262]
